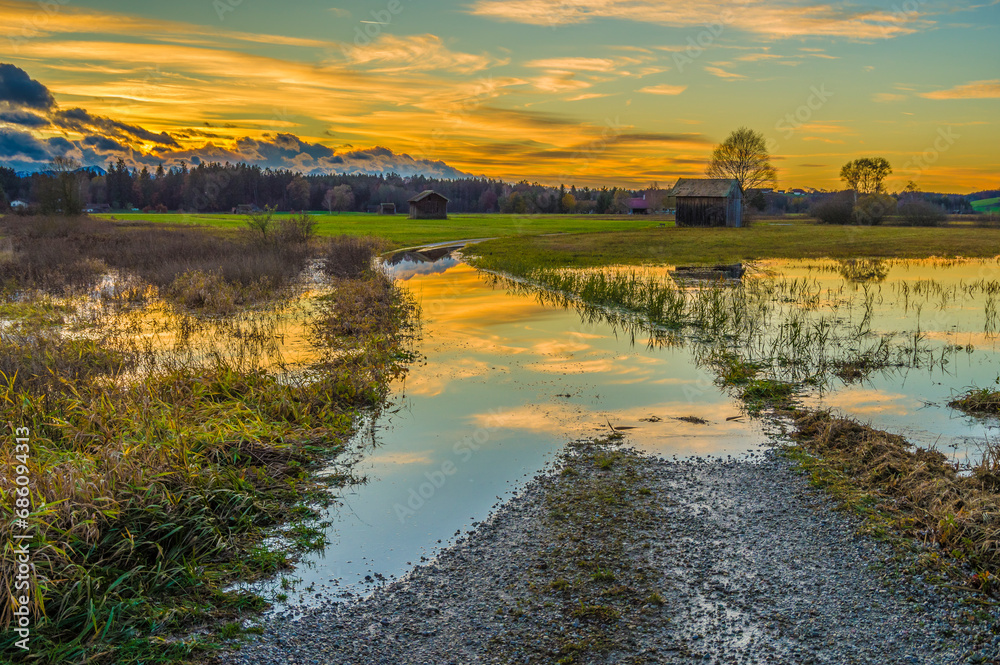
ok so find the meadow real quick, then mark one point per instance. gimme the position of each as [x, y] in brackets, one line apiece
[400, 231]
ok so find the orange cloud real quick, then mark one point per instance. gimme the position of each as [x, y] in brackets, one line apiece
[777, 20]
[664, 89]
[973, 90]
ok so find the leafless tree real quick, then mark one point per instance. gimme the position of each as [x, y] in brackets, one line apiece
[743, 156]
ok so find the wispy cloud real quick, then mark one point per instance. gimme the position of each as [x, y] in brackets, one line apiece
[886, 97]
[663, 89]
[390, 53]
[974, 90]
[774, 19]
[721, 73]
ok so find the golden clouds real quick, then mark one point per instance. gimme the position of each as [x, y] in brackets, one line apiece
[973, 90]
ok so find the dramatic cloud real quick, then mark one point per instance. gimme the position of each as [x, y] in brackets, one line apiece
[24, 119]
[973, 90]
[82, 121]
[14, 144]
[18, 89]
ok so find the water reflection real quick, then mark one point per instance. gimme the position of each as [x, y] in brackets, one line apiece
[508, 374]
[504, 382]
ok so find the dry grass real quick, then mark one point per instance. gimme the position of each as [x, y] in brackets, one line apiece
[921, 492]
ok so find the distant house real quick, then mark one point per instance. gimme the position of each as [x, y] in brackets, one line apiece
[428, 204]
[638, 206]
[246, 208]
[387, 209]
[708, 202]
[18, 204]
[797, 192]
[97, 208]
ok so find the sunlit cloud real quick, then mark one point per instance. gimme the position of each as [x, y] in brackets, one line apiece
[974, 90]
[390, 53]
[664, 89]
[777, 20]
[721, 73]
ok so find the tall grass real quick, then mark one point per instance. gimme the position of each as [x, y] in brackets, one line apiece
[153, 480]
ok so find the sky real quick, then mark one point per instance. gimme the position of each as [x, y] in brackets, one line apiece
[579, 92]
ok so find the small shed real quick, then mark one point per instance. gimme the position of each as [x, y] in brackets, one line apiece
[638, 206]
[18, 204]
[708, 202]
[246, 208]
[387, 209]
[428, 204]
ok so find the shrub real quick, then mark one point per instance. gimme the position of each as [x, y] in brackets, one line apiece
[204, 290]
[871, 209]
[296, 228]
[260, 222]
[350, 257]
[837, 209]
[921, 213]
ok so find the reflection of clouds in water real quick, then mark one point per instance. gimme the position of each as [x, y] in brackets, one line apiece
[407, 270]
[401, 458]
[425, 384]
[556, 348]
[860, 401]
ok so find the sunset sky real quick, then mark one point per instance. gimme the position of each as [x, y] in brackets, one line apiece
[585, 92]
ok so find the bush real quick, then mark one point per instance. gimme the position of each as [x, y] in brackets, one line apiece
[351, 257]
[871, 209]
[921, 213]
[296, 228]
[837, 209]
[260, 222]
[204, 290]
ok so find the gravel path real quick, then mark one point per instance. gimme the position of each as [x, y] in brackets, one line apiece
[623, 558]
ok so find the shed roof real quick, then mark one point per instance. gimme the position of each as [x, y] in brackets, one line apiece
[638, 203]
[709, 187]
[424, 194]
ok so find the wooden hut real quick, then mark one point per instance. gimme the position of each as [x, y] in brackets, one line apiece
[428, 204]
[638, 206]
[387, 209]
[708, 202]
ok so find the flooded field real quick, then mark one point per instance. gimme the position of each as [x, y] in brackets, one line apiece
[507, 375]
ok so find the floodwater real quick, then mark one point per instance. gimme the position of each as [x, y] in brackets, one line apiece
[504, 381]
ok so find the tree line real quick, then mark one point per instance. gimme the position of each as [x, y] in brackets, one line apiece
[215, 187]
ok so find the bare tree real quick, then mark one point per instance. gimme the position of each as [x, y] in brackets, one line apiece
[340, 197]
[866, 175]
[743, 156]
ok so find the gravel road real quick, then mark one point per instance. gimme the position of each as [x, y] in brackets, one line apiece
[618, 557]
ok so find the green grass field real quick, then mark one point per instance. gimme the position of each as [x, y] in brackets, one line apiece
[404, 232]
[986, 205]
[764, 240]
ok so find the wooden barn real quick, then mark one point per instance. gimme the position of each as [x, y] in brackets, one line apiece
[428, 204]
[387, 209]
[708, 202]
[638, 206]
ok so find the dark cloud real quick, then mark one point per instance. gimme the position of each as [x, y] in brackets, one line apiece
[104, 144]
[83, 121]
[23, 118]
[21, 144]
[20, 90]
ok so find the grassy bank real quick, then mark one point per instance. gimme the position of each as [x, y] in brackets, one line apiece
[672, 246]
[152, 480]
[399, 231]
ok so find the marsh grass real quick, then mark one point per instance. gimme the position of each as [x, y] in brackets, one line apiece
[978, 401]
[155, 476]
[915, 492]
